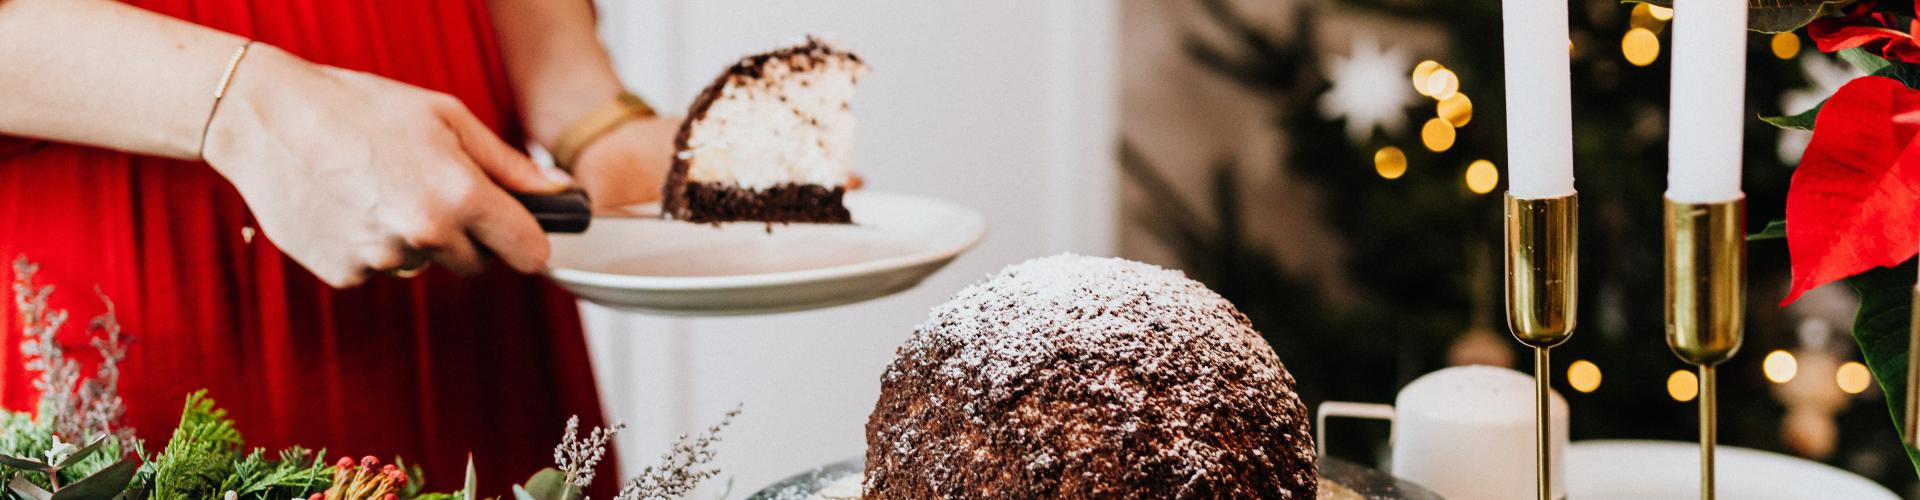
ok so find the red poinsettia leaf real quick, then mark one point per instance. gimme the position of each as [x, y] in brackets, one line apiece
[1832, 35]
[1853, 200]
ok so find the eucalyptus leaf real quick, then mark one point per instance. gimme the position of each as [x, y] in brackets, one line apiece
[23, 463]
[103, 485]
[1776, 230]
[1886, 308]
[551, 484]
[1774, 16]
[520, 493]
[82, 453]
[21, 486]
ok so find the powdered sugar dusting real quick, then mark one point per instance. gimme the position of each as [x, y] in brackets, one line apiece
[1073, 375]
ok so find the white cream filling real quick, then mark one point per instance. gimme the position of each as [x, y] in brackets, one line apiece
[787, 127]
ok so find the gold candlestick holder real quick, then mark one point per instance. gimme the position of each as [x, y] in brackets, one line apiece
[1543, 260]
[1706, 258]
[1912, 417]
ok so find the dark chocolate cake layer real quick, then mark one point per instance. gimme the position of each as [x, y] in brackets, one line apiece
[785, 203]
[1082, 377]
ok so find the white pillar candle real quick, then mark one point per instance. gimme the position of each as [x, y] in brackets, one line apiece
[1467, 432]
[1709, 90]
[1539, 98]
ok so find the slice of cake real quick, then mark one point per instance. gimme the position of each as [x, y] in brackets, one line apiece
[1083, 377]
[770, 140]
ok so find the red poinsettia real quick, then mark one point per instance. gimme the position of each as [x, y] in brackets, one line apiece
[1877, 32]
[1854, 203]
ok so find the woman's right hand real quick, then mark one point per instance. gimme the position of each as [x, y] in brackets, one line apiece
[352, 174]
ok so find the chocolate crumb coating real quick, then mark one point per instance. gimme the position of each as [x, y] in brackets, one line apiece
[1083, 377]
[683, 199]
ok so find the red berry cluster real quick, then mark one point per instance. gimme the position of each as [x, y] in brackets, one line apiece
[364, 480]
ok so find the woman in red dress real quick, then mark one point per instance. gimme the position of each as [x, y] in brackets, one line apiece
[363, 139]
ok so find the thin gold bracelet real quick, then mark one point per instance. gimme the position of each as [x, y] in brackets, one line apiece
[219, 92]
[575, 138]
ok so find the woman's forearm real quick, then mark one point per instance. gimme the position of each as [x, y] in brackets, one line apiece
[100, 73]
[554, 59]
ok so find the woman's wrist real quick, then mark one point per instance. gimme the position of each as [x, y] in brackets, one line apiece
[563, 94]
[256, 89]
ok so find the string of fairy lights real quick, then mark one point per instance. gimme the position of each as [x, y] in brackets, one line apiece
[1639, 46]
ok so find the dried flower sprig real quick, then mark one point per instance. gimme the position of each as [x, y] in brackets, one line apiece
[78, 408]
[577, 457]
[55, 375]
[679, 470]
[100, 409]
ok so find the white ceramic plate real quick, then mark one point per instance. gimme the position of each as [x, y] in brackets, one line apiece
[1658, 470]
[665, 267]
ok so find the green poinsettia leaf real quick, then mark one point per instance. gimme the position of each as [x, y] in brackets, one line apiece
[1906, 74]
[23, 463]
[1864, 61]
[82, 453]
[1886, 313]
[1776, 230]
[1801, 121]
[104, 485]
[26, 489]
[550, 484]
[1774, 16]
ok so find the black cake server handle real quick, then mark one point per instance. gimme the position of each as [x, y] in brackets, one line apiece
[565, 212]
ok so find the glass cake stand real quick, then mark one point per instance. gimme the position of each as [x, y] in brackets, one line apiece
[1349, 480]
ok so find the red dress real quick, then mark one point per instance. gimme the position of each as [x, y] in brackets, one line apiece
[429, 369]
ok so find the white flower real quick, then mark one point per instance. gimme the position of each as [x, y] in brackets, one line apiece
[60, 451]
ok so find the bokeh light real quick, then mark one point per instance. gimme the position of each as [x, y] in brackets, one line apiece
[1786, 45]
[1780, 366]
[1457, 110]
[1642, 17]
[1442, 83]
[1662, 14]
[1421, 72]
[1437, 135]
[1390, 162]
[1482, 177]
[1583, 375]
[1683, 386]
[1640, 46]
[1853, 377]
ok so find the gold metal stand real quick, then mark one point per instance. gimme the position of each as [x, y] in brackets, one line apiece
[1706, 258]
[1543, 262]
[1912, 417]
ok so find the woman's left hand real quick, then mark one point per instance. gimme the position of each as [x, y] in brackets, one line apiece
[628, 164]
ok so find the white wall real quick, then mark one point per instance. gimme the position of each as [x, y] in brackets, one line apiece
[1006, 106]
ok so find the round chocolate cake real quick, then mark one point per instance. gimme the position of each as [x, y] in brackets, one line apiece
[1084, 377]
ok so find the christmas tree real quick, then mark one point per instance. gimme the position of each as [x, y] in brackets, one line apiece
[1418, 211]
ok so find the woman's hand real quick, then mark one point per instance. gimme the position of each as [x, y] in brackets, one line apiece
[352, 174]
[627, 164]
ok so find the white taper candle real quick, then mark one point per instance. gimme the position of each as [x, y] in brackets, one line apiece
[1708, 108]
[1539, 98]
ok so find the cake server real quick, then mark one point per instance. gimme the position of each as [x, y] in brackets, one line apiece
[566, 212]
